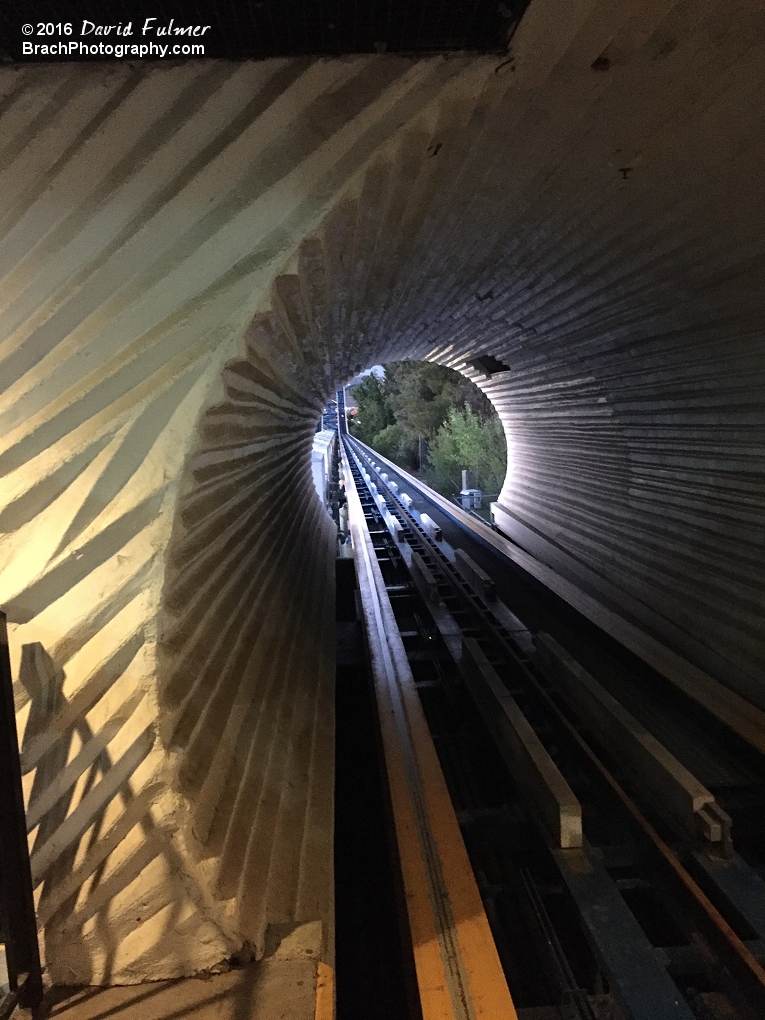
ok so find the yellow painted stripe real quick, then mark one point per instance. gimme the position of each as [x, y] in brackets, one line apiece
[432, 980]
[325, 993]
[488, 988]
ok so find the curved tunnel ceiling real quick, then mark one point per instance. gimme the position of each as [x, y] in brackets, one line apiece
[194, 258]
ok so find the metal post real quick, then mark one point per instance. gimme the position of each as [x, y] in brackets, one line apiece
[17, 909]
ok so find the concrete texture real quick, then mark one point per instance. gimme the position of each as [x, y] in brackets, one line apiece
[267, 990]
[193, 258]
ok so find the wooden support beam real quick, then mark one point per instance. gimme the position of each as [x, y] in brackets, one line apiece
[675, 792]
[424, 579]
[547, 792]
[473, 574]
[394, 527]
[431, 527]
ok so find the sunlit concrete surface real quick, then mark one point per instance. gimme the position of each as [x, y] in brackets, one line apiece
[282, 986]
[193, 258]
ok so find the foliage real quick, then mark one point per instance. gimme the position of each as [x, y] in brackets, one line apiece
[397, 444]
[420, 395]
[466, 441]
[375, 413]
[421, 406]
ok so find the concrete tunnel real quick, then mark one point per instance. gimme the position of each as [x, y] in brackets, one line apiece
[195, 255]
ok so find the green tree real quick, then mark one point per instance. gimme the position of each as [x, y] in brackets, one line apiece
[397, 444]
[374, 413]
[465, 441]
[419, 401]
[420, 394]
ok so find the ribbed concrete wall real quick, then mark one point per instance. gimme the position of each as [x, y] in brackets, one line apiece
[193, 258]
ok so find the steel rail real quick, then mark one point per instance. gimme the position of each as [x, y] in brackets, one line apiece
[729, 707]
[737, 952]
[738, 957]
[458, 970]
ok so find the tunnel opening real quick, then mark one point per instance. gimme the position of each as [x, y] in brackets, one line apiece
[437, 423]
